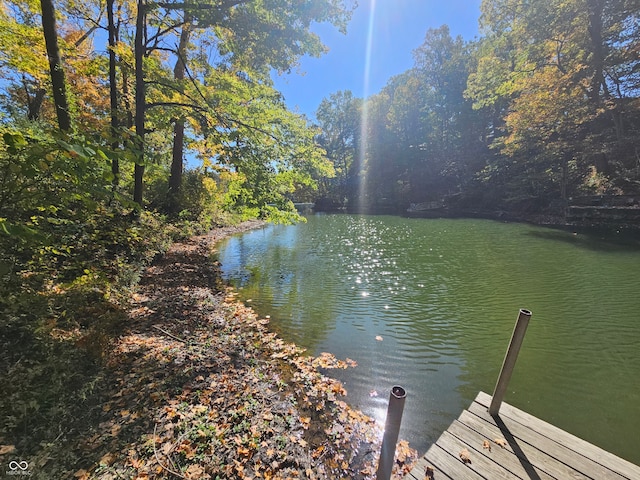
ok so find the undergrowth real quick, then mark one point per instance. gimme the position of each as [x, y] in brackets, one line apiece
[120, 358]
[60, 310]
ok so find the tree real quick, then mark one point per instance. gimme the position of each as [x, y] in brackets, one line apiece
[339, 119]
[58, 82]
[24, 72]
[442, 64]
[112, 30]
[253, 36]
[419, 139]
[553, 65]
[251, 132]
[175, 179]
[140, 51]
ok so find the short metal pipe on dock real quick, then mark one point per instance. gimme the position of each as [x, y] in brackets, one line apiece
[391, 432]
[509, 360]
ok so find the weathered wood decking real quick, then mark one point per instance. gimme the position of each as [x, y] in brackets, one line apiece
[534, 450]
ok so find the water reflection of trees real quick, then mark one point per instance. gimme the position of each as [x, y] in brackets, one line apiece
[284, 282]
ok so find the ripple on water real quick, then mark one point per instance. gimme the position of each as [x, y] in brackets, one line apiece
[444, 296]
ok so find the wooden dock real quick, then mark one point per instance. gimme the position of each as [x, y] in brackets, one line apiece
[533, 449]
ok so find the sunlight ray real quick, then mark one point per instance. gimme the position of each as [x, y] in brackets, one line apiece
[364, 120]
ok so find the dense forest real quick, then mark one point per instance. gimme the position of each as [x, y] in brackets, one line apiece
[102, 105]
[544, 107]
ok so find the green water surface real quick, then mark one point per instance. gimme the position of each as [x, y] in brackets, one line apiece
[444, 295]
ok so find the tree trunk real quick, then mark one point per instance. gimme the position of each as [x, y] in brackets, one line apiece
[113, 92]
[596, 8]
[33, 104]
[175, 179]
[139, 45]
[598, 57]
[55, 64]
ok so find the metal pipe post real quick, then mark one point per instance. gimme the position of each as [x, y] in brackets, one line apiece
[391, 432]
[509, 360]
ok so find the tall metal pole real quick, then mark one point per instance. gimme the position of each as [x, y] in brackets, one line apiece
[509, 360]
[391, 431]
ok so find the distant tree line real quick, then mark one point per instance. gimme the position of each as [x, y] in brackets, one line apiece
[543, 107]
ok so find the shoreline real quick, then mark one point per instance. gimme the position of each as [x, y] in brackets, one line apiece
[196, 386]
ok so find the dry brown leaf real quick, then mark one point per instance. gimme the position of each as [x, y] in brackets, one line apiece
[306, 421]
[465, 456]
[167, 447]
[196, 472]
[486, 444]
[318, 451]
[500, 441]
[429, 473]
[107, 459]
[115, 430]
[4, 449]
[404, 452]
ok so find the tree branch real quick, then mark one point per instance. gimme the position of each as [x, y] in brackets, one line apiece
[159, 33]
[225, 5]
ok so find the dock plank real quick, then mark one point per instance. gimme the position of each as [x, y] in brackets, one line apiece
[519, 468]
[536, 450]
[453, 466]
[418, 472]
[531, 434]
[479, 463]
[539, 459]
[607, 459]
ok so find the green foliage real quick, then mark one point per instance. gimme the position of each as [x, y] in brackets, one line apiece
[72, 244]
[49, 184]
[339, 120]
[543, 107]
[417, 140]
[547, 70]
[229, 105]
[263, 152]
[265, 34]
[61, 219]
[70, 250]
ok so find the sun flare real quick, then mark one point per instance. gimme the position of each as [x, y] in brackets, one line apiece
[364, 123]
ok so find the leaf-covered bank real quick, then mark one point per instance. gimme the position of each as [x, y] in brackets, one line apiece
[196, 386]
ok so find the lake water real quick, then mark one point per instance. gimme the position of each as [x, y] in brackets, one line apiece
[430, 304]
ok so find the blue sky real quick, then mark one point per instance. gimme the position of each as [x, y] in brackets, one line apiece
[398, 27]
